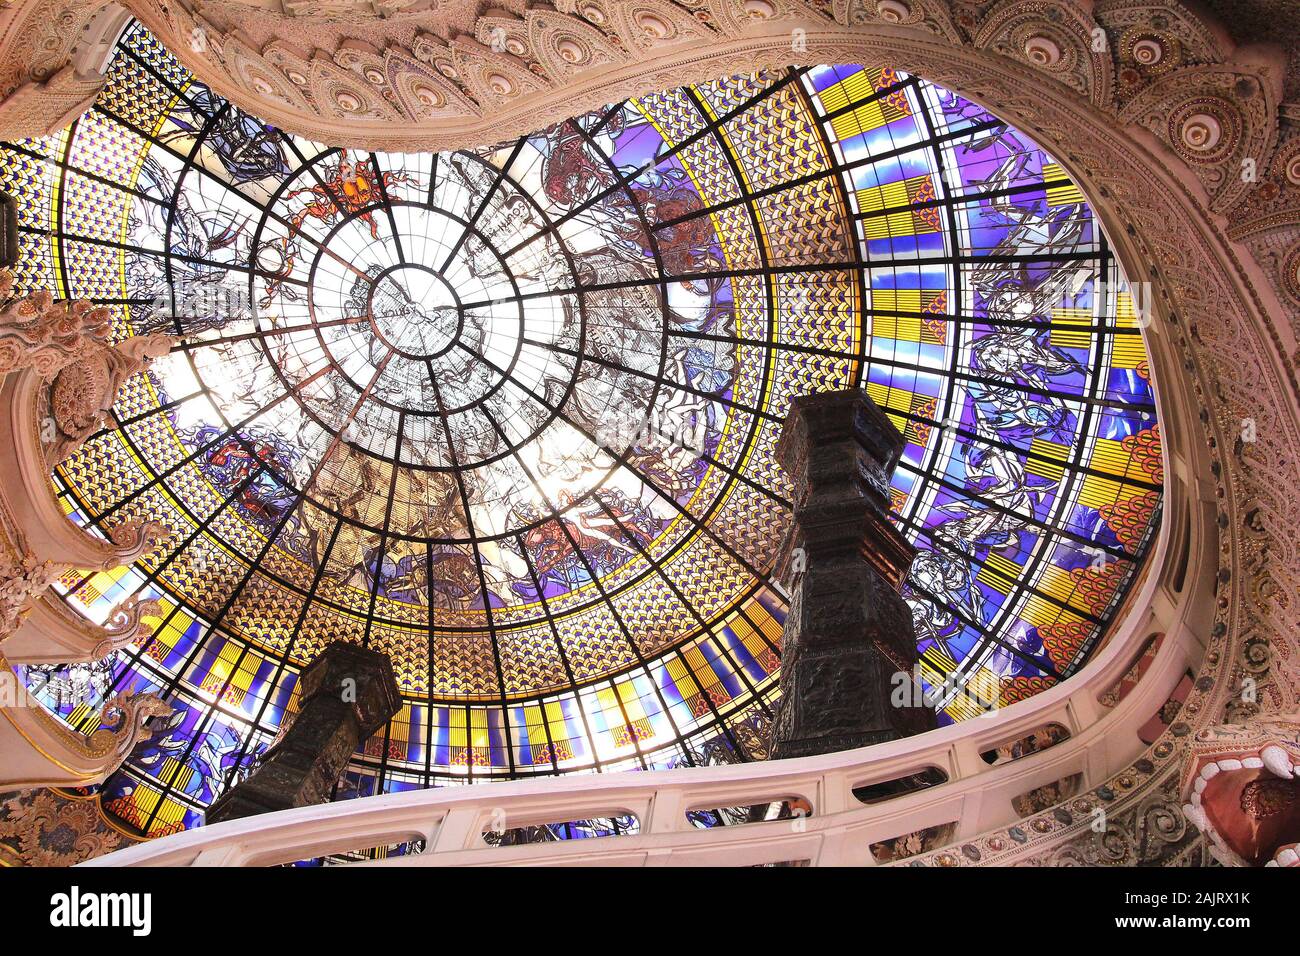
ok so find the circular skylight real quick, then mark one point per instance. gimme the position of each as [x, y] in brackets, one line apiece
[507, 414]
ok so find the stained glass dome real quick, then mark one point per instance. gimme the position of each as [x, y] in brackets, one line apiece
[507, 414]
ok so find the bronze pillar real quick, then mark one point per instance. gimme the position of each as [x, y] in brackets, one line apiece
[345, 695]
[849, 634]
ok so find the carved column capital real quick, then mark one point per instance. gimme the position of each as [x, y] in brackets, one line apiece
[80, 396]
[22, 578]
[45, 334]
[66, 345]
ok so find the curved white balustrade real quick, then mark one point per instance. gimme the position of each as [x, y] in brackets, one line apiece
[977, 797]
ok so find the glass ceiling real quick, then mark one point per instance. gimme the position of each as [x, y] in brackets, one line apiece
[507, 414]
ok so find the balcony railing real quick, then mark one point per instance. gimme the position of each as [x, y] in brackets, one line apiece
[820, 821]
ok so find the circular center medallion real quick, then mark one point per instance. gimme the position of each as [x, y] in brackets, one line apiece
[415, 312]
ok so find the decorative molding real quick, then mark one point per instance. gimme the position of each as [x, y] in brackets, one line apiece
[22, 577]
[1054, 36]
[48, 73]
[53, 632]
[61, 375]
[42, 751]
[1221, 121]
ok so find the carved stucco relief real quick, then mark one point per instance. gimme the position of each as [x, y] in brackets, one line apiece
[1156, 126]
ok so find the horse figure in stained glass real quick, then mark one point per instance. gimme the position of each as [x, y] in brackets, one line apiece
[598, 528]
[1001, 495]
[209, 759]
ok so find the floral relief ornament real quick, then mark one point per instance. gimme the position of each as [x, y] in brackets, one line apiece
[84, 391]
[43, 828]
[67, 345]
[21, 579]
[44, 334]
